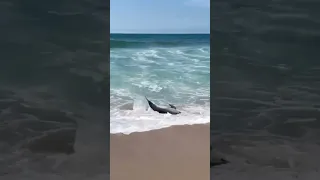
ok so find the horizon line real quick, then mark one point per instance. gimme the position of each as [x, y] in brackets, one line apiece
[158, 33]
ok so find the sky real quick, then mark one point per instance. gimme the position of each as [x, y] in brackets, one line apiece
[160, 16]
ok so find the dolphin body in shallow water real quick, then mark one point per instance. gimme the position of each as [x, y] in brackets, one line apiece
[172, 110]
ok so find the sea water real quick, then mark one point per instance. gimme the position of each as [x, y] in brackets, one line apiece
[166, 69]
[265, 115]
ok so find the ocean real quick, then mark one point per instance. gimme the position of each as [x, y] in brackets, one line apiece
[265, 74]
[54, 104]
[165, 68]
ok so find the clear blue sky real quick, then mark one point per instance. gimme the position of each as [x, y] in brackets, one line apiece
[160, 16]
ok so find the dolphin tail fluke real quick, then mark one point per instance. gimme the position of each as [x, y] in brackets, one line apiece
[153, 106]
[147, 101]
[146, 98]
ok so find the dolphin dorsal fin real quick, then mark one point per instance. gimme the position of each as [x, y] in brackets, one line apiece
[172, 106]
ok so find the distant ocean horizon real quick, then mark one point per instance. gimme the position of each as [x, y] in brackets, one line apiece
[160, 33]
[167, 68]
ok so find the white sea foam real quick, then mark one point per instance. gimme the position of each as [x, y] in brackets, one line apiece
[177, 75]
[142, 118]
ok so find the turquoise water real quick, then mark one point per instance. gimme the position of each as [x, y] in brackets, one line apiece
[167, 69]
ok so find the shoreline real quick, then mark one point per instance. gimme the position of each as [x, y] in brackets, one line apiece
[173, 126]
[176, 152]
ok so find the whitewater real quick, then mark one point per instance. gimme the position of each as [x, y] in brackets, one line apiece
[167, 69]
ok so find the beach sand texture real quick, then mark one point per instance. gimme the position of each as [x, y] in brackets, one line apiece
[174, 153]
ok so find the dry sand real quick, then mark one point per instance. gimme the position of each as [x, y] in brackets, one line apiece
[174, 153]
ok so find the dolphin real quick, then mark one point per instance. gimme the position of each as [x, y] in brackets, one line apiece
[172, 110]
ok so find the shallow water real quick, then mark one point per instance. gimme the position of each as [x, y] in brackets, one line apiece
[165, 68]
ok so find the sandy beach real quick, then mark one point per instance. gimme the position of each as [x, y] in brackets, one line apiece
[174, 153]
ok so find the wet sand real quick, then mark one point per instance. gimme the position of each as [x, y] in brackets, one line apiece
[174, 153]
